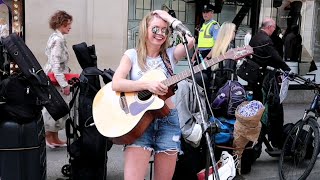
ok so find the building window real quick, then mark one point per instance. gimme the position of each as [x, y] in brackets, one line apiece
[180, 8]
[143, 7]
[12, 16]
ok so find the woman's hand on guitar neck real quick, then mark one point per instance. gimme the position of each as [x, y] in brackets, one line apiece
[157, 88]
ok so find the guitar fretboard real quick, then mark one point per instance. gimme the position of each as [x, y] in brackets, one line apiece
[186, 73]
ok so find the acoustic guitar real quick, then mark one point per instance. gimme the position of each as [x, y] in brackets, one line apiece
[124, 116]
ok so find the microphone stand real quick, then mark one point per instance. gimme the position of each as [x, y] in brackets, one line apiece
[204, 125]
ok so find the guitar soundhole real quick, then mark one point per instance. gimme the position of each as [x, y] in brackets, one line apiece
[144, 95]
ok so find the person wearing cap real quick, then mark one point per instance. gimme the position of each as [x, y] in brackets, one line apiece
[208, 32]
[206, 39]
[294, 16]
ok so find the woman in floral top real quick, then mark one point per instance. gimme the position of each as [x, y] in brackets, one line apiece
[58, 57]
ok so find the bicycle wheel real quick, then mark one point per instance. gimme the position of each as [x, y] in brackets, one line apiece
[300, 150]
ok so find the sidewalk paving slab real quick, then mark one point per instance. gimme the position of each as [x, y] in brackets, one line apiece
[265, 168]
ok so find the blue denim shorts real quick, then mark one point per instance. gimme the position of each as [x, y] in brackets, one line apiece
[163, 134]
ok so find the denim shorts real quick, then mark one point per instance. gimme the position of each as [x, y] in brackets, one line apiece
[163, 134]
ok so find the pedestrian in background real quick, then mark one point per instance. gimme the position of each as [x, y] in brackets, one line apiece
[58, 57]
[293, 45]
[265, 54]
[208, 32]
[206, 40]
[294, 16]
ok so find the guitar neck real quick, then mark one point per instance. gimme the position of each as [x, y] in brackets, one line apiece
[233, 54]
[186, 73]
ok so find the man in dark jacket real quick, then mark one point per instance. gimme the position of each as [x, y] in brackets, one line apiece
[265, 55]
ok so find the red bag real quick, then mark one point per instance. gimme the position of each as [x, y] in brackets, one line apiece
[201, 174]
[226, 167]
[68, 77]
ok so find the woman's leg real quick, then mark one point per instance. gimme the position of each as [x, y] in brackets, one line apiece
[52, 127]
[164, 165]
[136, 163]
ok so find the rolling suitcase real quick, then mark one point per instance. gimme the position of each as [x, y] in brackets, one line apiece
[31, 69]
[22, 150]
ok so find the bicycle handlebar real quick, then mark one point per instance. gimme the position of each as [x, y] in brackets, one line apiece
[294, 76]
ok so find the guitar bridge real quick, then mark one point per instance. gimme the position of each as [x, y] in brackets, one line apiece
[123, 103]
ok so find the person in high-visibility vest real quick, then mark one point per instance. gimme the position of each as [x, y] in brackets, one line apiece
[208, 32]
[206, 38]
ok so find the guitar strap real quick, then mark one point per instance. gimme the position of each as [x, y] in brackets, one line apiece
[167, 63]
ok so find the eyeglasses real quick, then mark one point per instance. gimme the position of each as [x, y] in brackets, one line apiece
[272, 26]
[157, 30]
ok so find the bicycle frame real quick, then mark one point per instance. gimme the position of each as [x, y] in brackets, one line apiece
[314, 108]
[303, 132]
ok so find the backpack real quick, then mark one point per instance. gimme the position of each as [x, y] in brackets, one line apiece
[19, 53]
[226, 127]
[234, 95]
[18, 100]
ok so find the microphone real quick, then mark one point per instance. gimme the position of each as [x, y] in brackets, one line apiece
[178, 26]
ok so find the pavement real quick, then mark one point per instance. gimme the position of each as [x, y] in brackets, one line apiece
[265, 168]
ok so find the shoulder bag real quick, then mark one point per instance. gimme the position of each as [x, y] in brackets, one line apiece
[250, 71]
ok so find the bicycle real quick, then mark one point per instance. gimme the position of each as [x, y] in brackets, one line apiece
[301, 146]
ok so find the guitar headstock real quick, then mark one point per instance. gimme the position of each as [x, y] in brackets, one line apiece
[239, 53]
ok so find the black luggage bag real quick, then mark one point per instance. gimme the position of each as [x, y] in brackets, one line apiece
[88, 152]
[22, 150]
[31, 69]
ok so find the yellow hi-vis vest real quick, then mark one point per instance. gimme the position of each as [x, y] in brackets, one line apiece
[205, 39]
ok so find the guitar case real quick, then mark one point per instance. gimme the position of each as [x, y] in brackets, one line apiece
[48, 95]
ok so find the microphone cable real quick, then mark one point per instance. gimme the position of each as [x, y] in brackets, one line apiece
[202, 79]
[260, 46]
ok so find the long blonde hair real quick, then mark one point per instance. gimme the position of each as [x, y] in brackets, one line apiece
[224, 38]
[142, 42]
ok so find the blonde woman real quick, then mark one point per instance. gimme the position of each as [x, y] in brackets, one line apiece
[224, 42]
[162, 137]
